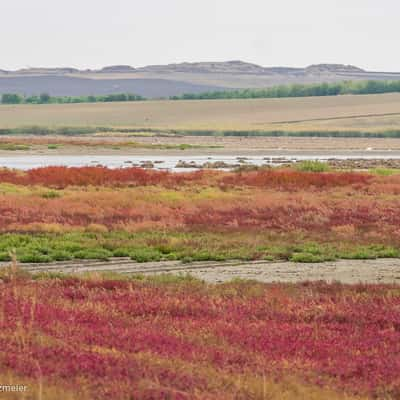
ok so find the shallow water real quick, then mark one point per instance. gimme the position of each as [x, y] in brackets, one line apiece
[170, 162]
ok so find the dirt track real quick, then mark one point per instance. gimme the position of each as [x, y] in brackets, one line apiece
[346, 271]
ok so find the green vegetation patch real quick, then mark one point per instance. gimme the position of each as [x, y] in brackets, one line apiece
[184, 246]
[45, 98]
[140, 132]
[384, 171]
[312, 166]
[299, 90]
[14, 147]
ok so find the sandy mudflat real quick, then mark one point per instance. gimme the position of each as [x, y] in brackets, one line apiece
[345, 271]
[212, 146]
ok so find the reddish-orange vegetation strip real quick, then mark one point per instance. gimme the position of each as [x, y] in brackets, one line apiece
[61, 177]
[113, 339]
[340, 206]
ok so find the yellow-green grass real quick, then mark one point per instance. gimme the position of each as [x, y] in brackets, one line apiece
[32, 145]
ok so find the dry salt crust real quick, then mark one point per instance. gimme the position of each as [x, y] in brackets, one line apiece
[345, 271]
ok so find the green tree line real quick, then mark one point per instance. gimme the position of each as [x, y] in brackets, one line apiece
[295, 90]
[45, 98]
[299, 90]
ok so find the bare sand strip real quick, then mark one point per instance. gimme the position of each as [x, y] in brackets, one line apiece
[205, 145]
[345, 271]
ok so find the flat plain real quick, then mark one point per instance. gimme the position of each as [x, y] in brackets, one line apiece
[350, 112]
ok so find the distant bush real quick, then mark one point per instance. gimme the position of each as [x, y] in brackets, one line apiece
[98, 254]
[34, 257]
[146, 255]
[121, 252]
[43, 130]
[52, 194]
[4, 256]
[60, 255]
[10, 98]
[45, 98]
[306, 258]
[13, 147]
[312, 166]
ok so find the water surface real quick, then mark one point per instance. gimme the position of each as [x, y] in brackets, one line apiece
[169, 162]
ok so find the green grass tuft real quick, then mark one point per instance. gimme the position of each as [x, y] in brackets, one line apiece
[312, 166]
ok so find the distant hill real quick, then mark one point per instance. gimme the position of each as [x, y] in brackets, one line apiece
[44, 71]
[332, 69]
[156, 81]
[228, 67]
[72, 86]
[117, 69]
[241, 67]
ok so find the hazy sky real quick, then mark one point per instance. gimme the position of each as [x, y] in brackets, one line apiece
[95, 33]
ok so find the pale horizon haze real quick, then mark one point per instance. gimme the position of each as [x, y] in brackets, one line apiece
[93, 34]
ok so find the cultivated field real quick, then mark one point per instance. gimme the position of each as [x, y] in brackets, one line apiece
[361, 112]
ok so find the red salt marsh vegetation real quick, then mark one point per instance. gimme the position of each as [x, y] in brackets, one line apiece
[61, 177]
[164, 338]
[59, 213]
[107, 337]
